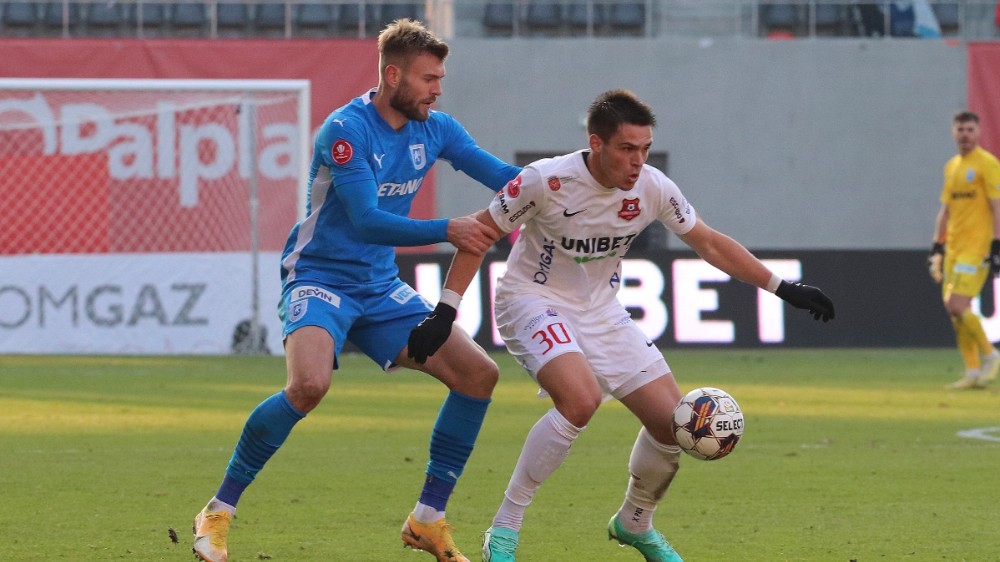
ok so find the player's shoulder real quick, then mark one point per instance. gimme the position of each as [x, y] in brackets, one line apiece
[566, 165]
[441, 120]
[988, 157]
[350, 122]
[653, 178]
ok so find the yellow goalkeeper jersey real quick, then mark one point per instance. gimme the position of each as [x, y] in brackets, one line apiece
[970, 181]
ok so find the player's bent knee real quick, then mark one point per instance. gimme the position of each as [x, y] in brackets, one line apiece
[306, 393]
[579, 411]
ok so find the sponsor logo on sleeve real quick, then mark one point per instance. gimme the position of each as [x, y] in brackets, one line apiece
[630, 209]
[342, 152]
[514, 187]
[677, 210]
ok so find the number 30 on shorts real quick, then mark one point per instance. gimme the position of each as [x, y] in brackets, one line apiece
[551, 335]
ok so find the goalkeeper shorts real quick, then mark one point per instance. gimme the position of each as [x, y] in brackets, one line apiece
[964, 276]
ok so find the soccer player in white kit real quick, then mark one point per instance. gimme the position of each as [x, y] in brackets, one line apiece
[558, 313]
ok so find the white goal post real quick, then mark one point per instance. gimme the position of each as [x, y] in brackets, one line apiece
[145, 215]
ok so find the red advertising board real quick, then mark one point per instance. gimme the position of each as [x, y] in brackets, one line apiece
[338, 70]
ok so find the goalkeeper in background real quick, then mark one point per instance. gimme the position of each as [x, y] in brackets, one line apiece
[968, 220]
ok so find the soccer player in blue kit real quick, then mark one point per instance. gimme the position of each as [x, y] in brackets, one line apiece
[340, 280]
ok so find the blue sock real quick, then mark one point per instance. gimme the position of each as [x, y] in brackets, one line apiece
[266, 429]
[452, 439]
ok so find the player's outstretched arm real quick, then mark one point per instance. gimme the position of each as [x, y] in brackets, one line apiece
[731, 257]
[432, 332]
[472, 235]
[806, 297]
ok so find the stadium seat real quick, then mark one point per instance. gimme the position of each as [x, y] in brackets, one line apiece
[543, 16]
[498, 18]
[53, 16]
[270, 19]
[948, 17]
[351, 16]
[314, 19]
[19, 16]
[189, 19]
[780, 20]
[831, 20]
[871, 20]
[232, 19]
[902, 20]
[154, 15]
[628, 17]
[578, 17]
[393, 12]
[105, 18]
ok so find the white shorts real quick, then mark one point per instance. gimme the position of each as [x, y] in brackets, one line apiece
[537, 329]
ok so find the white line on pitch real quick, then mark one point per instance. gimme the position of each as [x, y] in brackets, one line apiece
[980, 433]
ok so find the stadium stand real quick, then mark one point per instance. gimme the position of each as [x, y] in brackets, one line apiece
[189, 19]
[232, 19]
[19, 18]
[498, 18]
[543, 17]
[969, 19]
[947, 14]
[315, 19]
[585, 18]
[780, 20]
[152, 18]
[270, 20]
[628, 17]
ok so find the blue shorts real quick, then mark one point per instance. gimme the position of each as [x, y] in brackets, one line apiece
[377, 318]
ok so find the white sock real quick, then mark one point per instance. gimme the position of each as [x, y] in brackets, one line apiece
[426, 513]
[545, 449]
[653, 466]
[215, 504]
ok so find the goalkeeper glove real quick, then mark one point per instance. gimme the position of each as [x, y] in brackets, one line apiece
[935, 261]
[431, 333]
[994, 258]
[807, 297]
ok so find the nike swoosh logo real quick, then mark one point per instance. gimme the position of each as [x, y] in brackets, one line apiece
[566, 212]
[649, 344]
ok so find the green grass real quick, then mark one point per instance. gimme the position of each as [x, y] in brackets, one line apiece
[848, 455]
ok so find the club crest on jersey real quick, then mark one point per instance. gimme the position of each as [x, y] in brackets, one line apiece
[630, 209]
[970, 175]
[298, 310]
[342, 152]
[554, 183]
[418, 155]
[514, 187]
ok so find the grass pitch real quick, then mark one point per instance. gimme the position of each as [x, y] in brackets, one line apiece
[847, 455]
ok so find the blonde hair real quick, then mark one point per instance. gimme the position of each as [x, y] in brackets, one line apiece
[403, 39]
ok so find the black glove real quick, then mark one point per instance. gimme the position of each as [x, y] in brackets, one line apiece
[934, 262]
[994, 258]
[431, 333]
[807, 297]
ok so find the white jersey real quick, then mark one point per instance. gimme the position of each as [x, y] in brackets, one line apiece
[576, 231]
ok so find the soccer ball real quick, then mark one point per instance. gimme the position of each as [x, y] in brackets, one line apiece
[708, 423]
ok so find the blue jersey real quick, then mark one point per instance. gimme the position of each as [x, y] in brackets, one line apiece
[362, 181]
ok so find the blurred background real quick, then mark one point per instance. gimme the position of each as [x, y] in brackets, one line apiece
[145, 197]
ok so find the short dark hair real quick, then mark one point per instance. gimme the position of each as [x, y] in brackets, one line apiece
[403, 39]
[965, 117]
[615, 107]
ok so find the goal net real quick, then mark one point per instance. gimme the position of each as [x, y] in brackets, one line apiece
[146, 216]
